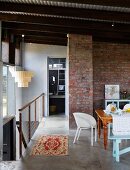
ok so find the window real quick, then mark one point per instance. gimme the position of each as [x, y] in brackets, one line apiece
[8, 92]
[5, 90]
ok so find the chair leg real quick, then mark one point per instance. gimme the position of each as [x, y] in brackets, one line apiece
[77, 131]
[91, 136]
[95, 133]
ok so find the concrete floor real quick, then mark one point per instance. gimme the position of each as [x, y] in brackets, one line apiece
[81, 156]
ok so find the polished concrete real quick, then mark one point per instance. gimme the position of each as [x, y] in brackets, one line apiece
[81, 156]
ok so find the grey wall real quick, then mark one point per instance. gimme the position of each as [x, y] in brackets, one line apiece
[35, 59]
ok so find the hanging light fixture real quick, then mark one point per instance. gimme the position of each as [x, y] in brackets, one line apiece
[23, 78]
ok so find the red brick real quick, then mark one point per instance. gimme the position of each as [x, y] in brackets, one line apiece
[80, 75]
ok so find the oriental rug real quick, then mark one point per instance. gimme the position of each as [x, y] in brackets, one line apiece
[51, 145]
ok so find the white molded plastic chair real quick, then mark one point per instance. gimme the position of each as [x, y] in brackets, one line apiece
[85, 121]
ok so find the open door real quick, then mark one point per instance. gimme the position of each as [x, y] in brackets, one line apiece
[57, 85]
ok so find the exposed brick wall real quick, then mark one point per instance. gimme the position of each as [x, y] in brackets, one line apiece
[80, 75]
[111, 65]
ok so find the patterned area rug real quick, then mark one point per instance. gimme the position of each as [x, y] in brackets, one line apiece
[51, 145]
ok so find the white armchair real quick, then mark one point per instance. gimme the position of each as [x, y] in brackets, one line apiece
[85, 121]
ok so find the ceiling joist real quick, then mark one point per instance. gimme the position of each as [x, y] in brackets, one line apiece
[51, 21]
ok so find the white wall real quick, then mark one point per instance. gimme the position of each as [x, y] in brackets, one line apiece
[1, 103]
[1, 115]
[11, 95]
[18, 94]
[35, 59]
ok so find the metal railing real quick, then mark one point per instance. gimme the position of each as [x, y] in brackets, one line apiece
[29, 120]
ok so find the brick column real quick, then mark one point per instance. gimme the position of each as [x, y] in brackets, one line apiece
[80, 75]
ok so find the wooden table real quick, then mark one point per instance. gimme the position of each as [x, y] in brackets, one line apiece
[105, 119]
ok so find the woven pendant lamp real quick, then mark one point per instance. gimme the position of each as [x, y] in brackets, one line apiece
[23, 78]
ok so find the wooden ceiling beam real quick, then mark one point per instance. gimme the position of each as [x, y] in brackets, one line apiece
[36, 33]
[90, 14]
[63, 29]
[117, 3]
[51, 28]
[45, 41]
[114, 36]
[46, 38]
[40, 39]
[97, 36]
[111, 35]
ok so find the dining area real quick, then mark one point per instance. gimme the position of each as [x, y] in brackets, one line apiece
[107, 136]
[115, 124]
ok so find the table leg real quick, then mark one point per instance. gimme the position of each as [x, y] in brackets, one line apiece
[99, 128]
[105, 128]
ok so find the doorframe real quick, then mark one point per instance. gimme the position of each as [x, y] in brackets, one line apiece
[66, 85]
[47, 86]
[67, 88]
